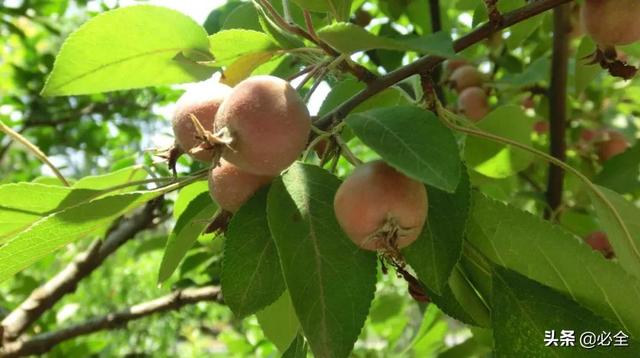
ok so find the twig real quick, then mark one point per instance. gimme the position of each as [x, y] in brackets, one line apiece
[66, 281]
[346, 152]
[43, 343]
[495, 17]
[426, 63]
[33, 149]
[321, 74]
[300, 73]
[436, 25]
[360, 72]
[309, 24]
[558, 106]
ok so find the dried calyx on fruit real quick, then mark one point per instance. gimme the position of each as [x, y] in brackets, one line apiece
[202, 103]
[261, 127]
[612, 23]
[194, 114]
[230, 186]
[381, 209]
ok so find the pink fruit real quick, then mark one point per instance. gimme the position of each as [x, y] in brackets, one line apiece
[268, 122]
[374, 201]
[473, 103]
[230, 186]
[612, 22]
[455, 63]
[465, 77]
[202, 101]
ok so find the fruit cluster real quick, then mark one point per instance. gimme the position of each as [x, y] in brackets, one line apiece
[254, 131]
[250, 133]
[467, 81]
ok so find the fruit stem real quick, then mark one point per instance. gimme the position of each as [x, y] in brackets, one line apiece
[33, 149]
[346, 152]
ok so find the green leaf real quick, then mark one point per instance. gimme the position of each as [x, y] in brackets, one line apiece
[437, 250]
[251, 275]
[330, 280]
[130, 47]
[520, 31]
[220, 15]
[229, 45]
[524, 310]
[25, 203]
[545, 253]
[497, 160]
[338, 8]
[297, 349]
[447, 300]
[346, 89]
[243, 16]
[188, 228]
[534, 73]
[279, 322]
[110, 180]
[622, 172]
[626, 245]
[350, 38]
[413, 141]
[57, 230]
[282, 37]
[187, 194]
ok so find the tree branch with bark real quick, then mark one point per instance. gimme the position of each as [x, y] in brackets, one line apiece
[426, 64]
[43, 343]
[66, 281]
[558, 106]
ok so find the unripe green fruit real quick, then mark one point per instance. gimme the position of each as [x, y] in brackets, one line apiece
[230, 186]
[612, 22]
[473, 103]
[202, 101]
[612, 144]
[375, 196]
[268, 122]
[465, 77]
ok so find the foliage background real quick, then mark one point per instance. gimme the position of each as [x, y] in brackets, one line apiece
[97, 134]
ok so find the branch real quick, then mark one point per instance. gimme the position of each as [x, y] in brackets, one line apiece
[360, 72]
[33, 149]
[426, 63]
[66, 281]
[436, 25]
[43, 343]
[558, 106]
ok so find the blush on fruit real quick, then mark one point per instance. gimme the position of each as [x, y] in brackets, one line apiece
[203, 102]
[268, 122]
[380, 208]
[230, 186]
